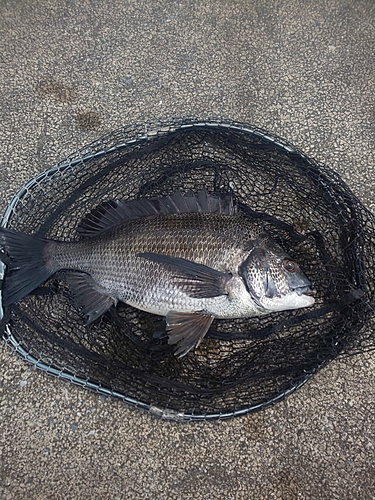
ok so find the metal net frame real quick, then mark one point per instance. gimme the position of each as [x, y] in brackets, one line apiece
[242, 365]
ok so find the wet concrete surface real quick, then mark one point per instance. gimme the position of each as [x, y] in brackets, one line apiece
[72, 71]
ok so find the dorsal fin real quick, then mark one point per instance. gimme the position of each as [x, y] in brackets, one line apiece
[111, 214]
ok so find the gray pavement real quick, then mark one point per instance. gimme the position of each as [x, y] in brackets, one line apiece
[74, 70]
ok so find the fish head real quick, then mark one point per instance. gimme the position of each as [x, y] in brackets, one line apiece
[274, 281]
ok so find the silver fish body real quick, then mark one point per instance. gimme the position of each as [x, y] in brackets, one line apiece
[189, 258]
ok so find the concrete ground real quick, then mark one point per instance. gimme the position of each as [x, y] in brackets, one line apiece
[74, 70]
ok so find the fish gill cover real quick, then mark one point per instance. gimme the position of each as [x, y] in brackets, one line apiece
[243, 364]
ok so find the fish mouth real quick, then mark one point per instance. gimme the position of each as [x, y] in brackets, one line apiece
[305, 290]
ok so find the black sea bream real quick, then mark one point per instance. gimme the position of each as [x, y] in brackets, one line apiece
[190, 258]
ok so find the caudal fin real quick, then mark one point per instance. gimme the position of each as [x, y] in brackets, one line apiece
[26, 264]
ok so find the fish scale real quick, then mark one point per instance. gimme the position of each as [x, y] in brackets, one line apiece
[114, 263]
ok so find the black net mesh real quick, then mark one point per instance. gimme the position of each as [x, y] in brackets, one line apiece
[242, 365]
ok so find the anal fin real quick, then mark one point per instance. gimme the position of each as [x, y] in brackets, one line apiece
[92, 301]
[187, 329]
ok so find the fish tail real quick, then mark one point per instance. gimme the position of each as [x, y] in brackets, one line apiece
[27, 264]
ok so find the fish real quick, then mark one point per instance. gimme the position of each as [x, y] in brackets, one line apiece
[191, 258]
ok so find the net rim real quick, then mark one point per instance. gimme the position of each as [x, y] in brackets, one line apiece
[157, 411]
[90, 152]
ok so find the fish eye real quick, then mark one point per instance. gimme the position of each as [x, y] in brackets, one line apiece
[289, 266]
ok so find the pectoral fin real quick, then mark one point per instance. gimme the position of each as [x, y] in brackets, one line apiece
[187, 329]
[88, 296]
[196, 280]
